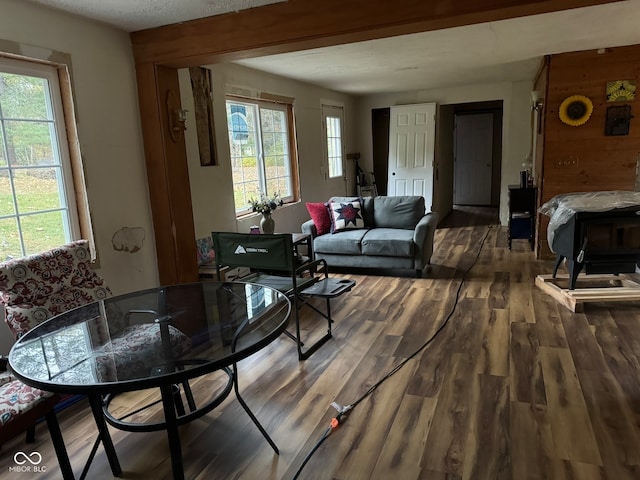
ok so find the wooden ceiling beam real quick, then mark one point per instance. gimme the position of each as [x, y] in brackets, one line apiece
[303, 24]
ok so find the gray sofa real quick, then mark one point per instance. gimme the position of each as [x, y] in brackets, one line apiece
[397, 234]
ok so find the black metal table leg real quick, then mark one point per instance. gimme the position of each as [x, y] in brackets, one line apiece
[250, 413]
[96, 407]
[58, 445]
[173, 435]
[177, 399]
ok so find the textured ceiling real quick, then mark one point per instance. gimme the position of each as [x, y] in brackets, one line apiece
[507, 50]
[502, 51]
[133, 15]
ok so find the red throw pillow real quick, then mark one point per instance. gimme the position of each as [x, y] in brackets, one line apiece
[320, 216]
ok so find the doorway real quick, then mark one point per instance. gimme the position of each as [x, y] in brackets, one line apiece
[411, 150]
[334, 150]
[380, 118]
[477, 150]
[473, 159]
[444, 159]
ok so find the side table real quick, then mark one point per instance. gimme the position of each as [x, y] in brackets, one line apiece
[522, 213]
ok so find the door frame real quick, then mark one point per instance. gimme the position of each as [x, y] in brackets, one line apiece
[328, 109]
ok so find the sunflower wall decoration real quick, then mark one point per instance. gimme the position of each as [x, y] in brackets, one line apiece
[575, 110]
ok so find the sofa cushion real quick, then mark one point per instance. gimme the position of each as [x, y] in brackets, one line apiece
[388, 242]
[398, 212]
[346, 242]
[346, 215]
[320, 215]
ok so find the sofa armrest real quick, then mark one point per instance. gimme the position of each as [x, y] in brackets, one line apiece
[310, 228]
[423, 238]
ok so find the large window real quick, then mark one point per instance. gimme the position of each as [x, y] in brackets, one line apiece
[262, 153]
[37, 201]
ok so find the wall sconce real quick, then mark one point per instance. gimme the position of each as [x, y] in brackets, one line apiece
[536, 107]
[176, 116]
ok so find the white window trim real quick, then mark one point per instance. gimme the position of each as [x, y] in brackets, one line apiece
[331, 111]
[66, 139]
[273, 102]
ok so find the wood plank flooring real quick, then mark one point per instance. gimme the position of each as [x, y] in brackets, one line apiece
[514, 387]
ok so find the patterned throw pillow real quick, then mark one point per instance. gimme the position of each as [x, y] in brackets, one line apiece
[320, 216]
[346, 215]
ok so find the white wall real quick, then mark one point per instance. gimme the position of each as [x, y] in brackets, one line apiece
[105, 94]
[516, 127]
[211, 186]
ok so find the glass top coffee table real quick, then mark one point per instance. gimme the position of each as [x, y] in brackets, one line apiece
[156, 338]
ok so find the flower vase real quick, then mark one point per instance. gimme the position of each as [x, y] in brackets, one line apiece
[267, 224]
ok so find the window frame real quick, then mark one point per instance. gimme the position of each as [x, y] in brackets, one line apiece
[283, 104]
[66, 142]
[333, 111]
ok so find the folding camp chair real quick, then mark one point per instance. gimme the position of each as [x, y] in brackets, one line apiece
[274, 263]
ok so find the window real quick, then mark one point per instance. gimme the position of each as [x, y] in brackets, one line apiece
[332, 117]
[262, 152]
[37, 201]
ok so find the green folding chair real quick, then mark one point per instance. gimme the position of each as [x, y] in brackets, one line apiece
[274, 263]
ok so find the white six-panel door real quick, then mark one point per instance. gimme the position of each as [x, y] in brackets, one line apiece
[411, 151]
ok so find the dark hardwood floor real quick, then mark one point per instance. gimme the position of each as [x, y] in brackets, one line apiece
[515, 386]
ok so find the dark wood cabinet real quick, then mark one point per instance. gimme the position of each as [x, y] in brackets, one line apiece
[522, 213]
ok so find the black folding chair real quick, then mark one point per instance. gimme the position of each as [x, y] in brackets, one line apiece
[274, 263]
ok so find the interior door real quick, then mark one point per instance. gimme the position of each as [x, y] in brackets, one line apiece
[411, 150]
[473, 157]
[334, 150]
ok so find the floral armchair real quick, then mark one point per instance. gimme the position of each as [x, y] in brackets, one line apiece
[32, 289]
[37, 287]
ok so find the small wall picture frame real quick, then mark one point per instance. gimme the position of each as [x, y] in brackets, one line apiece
[621, 91]
[618, 120]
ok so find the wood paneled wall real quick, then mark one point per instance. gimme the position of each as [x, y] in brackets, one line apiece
[583, 158]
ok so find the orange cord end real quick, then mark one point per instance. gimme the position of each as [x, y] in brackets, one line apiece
[334, 423]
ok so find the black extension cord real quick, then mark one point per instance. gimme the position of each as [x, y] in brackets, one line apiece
[343, 411]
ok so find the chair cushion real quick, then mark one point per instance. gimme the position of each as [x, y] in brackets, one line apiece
[136, 349]
[320, 215]
[388, 242]
[39, 286]
[16, 399]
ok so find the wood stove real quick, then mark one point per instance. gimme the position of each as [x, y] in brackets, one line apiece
[598, 242]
